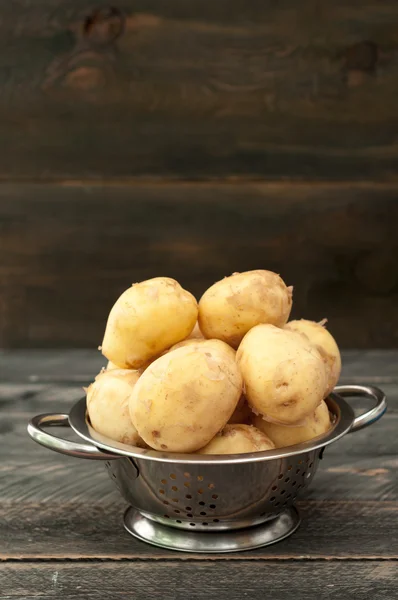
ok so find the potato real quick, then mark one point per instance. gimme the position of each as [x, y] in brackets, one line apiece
[324, 342]
[108, 405]
[238, 439]
[185, 397]
[242, 413]
[284, 375]
[147, 319]
[232, 306]
[196, 343]
[282, 436]
[111, 366]
[196, 334]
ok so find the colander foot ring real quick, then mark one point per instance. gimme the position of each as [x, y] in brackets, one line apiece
[218, 542]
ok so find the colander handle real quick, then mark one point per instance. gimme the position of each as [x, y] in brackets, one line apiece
[36, 431]
[365, 391]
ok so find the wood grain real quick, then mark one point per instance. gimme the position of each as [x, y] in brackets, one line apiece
[68, 252]
[83, 529]
[210, 579]
[28, 372]
[190, 90]
[55, 507]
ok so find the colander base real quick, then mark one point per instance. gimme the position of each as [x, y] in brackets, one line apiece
[218, 542]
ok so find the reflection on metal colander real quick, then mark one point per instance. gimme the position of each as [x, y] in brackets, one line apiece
[210, 498]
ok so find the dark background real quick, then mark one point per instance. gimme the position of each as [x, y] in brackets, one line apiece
[194, 139]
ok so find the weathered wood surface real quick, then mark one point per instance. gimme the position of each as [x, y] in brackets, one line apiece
[61, 518]
[20, 368]
[199, 89]
[206, 580]
[67, 252]
[53, 506]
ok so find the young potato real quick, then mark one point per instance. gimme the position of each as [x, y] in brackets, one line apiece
[147, 319]
[196, 343]
[196, 334]
[243, 414]
[282, 436]
[324, 342]
[238, 439]
[232, 306]
[110, 366]
[185, 397]
[284, 375]
[108, 405]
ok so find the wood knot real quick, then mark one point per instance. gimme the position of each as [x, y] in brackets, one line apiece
[85, 79]
[103, 26]
[362, 56]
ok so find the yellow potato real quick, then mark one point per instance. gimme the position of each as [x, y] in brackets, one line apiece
[185, 397]
[196, 334]
[110, 366]
[242, 413]
[282, 436]
[232, 306]
[324, 342]
[147, 319]
[238, 439]
[283, 373]
[197, 343]
[108, 405]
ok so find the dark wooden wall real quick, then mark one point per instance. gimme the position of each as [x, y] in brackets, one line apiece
[194, 138]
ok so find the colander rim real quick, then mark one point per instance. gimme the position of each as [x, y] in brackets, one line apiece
[343, 421]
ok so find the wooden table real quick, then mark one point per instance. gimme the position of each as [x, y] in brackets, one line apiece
[61, 532]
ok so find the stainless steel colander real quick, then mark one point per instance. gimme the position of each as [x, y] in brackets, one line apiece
[203, 503]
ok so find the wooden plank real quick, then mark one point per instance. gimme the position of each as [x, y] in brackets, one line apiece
[104, 580]
[68, 508]
[197, 90]
[67, 252]
[29, 371]
[82, 529]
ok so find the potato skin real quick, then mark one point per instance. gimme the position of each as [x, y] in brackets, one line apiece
[232, 306]
[185, 397]
[238, 439]
[282, 436]
[110, 366]
[196, 334]
[108, 405]
[284, 375]
[203, 343]
[326, 345]
[147, 319]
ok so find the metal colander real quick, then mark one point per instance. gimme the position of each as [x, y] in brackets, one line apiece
[204, 503]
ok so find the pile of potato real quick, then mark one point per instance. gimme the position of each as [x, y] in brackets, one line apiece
[226, 376]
